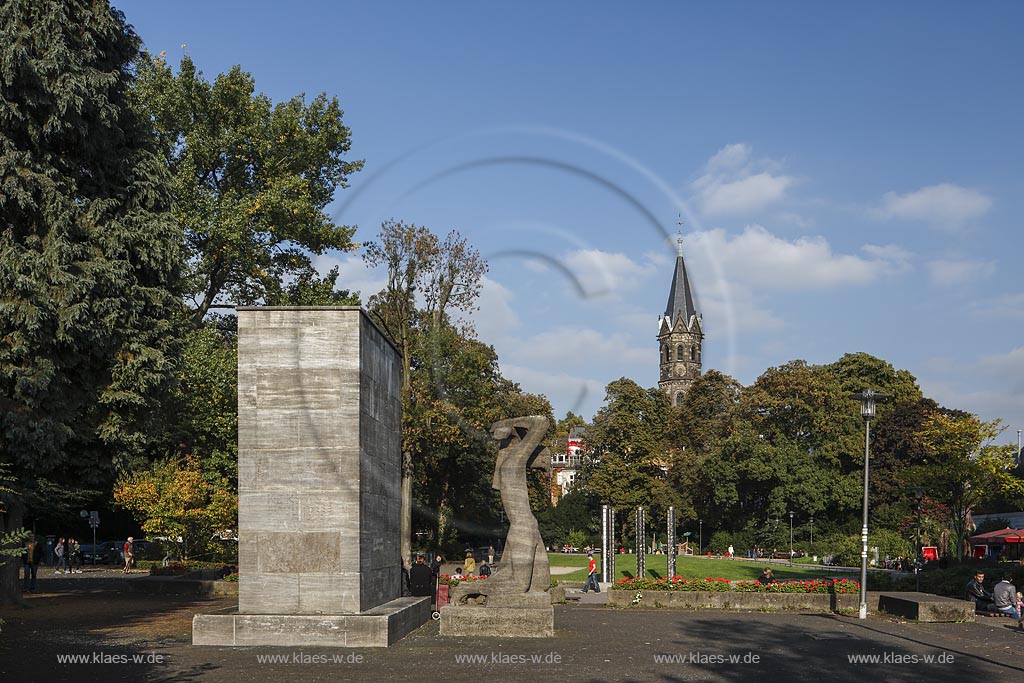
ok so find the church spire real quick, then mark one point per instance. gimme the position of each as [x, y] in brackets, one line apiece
[680, 334]
[680, 298]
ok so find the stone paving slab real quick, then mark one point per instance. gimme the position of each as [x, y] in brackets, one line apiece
[591, 643]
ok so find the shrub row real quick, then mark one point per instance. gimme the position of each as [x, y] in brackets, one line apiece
[719, 585]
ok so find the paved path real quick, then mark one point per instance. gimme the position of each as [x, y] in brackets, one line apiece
[593, 643]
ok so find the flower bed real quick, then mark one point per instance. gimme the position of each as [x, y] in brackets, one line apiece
[173, 569]
[717, 593]
[719, 585]
[448, 580]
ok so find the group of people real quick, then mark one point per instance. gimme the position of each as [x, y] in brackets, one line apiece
[1004, 597]
[422, 576]
[899, 564]
[469, 567]
[68, 556]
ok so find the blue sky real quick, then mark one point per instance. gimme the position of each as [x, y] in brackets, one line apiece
[849, 175]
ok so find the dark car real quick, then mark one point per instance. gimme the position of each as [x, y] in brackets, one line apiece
[141, 549]
[104, 552]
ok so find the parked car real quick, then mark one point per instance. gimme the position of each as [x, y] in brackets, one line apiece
[141, 549]
[104, 552]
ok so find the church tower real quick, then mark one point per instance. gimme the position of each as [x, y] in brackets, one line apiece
[680, 334]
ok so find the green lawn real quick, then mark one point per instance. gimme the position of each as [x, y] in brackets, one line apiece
[625, 566]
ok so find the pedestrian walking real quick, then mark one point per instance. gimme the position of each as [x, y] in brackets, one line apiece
[59, 550]
[129, 557]
[591, 575]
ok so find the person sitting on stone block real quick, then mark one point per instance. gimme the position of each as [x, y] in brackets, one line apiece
[976, 592]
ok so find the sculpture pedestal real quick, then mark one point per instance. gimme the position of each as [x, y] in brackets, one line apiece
[526, 615]
[377, 627]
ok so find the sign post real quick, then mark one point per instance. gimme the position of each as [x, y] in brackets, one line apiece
[94, 521]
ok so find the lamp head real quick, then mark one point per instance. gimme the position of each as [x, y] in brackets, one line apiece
[867, 399]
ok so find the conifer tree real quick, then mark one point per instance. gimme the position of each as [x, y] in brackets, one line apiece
[89, 253]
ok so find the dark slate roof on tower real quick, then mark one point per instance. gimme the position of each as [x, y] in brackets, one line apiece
[680, 299]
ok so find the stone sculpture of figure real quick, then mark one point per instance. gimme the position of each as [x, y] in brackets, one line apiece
[523, 571]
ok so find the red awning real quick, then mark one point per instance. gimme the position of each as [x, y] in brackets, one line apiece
[1006, 535]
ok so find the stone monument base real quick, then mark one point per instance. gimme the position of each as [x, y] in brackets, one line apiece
[379, 627]
[505, 622]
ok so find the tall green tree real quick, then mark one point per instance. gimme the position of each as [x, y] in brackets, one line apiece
[627, 448]
[89, 255]
[965, 468]
[206, 401]
[251, 181]
[446, 277]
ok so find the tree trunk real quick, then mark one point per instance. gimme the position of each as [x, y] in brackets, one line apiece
[10, 588]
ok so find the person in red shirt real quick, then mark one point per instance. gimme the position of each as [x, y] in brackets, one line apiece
[592, 576]
[128, 555]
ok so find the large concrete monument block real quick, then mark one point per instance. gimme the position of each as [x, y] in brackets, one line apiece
[319, 437]
[319, 480]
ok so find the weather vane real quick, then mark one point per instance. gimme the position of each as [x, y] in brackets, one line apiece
[679, 233]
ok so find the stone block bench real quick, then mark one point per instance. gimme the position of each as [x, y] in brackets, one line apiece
[925, 607]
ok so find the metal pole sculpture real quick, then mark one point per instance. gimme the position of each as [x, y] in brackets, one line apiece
[671, 541]
[641, 542]
[606, 541]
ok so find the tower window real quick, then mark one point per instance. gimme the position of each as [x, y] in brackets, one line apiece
[679, 398]
[679, 352]
[693, 353]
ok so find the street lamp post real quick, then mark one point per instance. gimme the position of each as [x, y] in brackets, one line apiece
[1019, 453]
[919, 494]
[867, 399]
[791, 537]
[700, 536]
[812, 533]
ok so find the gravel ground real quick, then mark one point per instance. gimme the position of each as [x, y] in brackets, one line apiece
[90, 616]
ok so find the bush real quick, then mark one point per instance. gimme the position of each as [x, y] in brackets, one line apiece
[173, 569]
[719, 585]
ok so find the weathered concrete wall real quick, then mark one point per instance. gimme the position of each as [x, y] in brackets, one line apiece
[319, 434]
[380, 481]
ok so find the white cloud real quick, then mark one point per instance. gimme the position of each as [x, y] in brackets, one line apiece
[352, 274]
[947, 273]
[600, 272]
[1009, 364]
[733, 183]
[729, 158]
[581, 395]
[743, 196]
[758, 258]
[579, 347]
[1007, 306]
[945, 205]
[496, 316]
